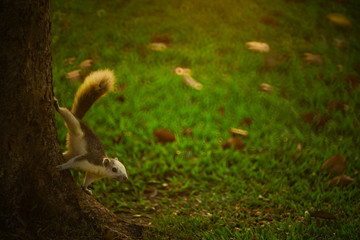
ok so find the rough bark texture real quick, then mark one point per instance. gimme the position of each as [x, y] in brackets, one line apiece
[34, 196]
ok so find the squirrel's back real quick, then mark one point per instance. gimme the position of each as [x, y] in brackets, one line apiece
[96, 85]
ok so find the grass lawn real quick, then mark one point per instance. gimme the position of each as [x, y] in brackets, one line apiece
[193, 188]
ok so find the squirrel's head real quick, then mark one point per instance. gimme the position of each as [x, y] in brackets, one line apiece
[115, 169]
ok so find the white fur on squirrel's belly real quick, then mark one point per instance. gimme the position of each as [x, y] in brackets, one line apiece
[89, 167]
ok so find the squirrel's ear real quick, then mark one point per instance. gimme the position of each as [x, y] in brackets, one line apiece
[106, 162]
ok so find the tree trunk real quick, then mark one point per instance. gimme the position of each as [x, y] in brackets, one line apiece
[34, 195]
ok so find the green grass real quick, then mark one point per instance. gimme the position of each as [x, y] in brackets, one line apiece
[192, 188]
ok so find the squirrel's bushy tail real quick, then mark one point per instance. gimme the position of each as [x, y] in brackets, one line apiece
[96, 85]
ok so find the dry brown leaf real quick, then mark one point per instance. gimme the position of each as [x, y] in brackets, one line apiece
[187, 79]
[339, 19]
[86, 65]
[234, 142]
[182, 71]
[340, 43]
[274, 60]
[340, 67]
[157, 46]
[120, 98]
[299, 148]
[188, 132]
[266, 88]
[160, 38]
[69, 61]
[121, 87]
[74, 76]
[335, 164]
[313, 58]
[163, 135]
[338, 106]
[192, 82]
[221, 111]
[322, 214]
[258, 46]
[246, 122]
[341, 181]
[238, 131]
[352, 81]
[315, 119]
[270, 21]
[151, 191]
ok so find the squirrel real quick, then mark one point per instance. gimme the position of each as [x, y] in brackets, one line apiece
[85, 149]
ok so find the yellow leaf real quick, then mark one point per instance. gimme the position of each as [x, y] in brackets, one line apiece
[258, 46]
[74, 75]
[313, 58]
[339, 20]
[266, 88]
[239, 131]
[157, 46]
[182, 71]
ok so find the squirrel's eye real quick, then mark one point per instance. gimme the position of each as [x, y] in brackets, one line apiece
[114, 169]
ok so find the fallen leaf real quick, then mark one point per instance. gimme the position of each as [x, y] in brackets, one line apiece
[121, 87]
[340, 67]
[315, 119]
[86, 65]
[299, 148]
[188, 80]
[108, 235]
[118, 138]
[120, 98]
[221, 111]
[273, 61]
[163, 135]
[151, 191]
[74, 76]
[266, 88]
[188, 132]
[258, 46]
[192, 82]
[335, 164]
[234, 142]
[341, 181]
[238, 131]
[182, 71]
[339, 19]
[270, 21]
[313, 58]
[69, 61]
[338, 106]
[352, 81]
[340, 43]
[166, 39]
[157, 46]
[246, 122]
[322, 214]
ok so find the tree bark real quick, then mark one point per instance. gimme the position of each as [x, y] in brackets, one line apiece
[34, 196]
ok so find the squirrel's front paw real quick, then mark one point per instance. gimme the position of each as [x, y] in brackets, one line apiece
[88, 191]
